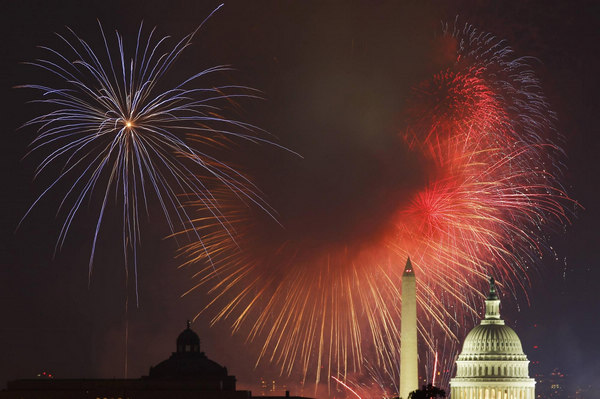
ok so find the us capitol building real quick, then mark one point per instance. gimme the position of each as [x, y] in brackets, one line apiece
[492, 364]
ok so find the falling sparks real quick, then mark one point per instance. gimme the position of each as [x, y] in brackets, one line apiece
[113, 131]
[347, 387]
[485, 130]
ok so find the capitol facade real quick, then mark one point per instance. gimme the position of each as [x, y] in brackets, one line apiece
[492, 364]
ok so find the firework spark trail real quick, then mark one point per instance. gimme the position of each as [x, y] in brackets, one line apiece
[347, 387]
[113, 131]
[435, 365]
[492, 190]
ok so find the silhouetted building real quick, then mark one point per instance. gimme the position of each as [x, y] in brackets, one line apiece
[186, 374]
[189, 364]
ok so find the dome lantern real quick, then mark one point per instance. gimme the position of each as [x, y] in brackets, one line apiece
[492, 306]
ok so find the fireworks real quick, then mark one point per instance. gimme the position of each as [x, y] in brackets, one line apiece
[484, 129]
[347, 387]
[115, 129]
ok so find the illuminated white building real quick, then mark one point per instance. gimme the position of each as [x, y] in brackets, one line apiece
[492, 364]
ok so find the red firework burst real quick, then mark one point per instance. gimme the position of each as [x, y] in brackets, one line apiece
[485, 129]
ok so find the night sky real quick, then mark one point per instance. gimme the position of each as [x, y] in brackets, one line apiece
[334, 77]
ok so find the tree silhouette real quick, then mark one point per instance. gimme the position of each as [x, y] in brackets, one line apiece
[426, 392]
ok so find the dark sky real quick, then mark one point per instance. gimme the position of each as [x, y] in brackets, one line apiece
[333, 77]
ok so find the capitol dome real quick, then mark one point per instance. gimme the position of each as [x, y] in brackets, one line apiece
[492, 364]
[495, 340]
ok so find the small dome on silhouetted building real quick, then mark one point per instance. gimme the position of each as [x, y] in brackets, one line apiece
[188, 363]
[186, 374]
[188, 341]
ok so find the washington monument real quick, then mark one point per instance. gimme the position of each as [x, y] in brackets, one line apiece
[409, 371]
